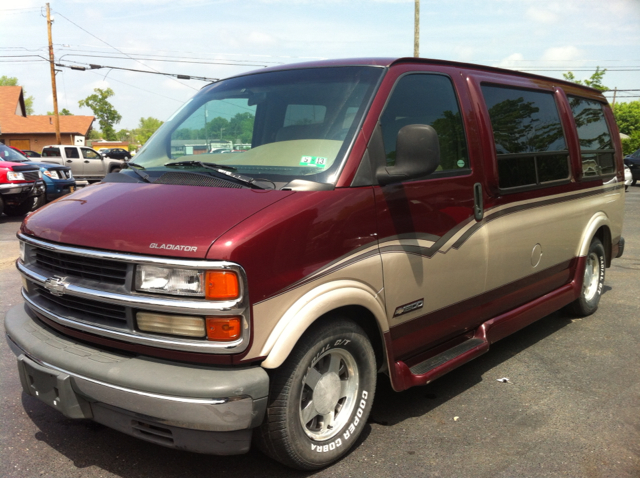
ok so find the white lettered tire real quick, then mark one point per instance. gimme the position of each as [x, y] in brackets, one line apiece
[593, 281]
[320, 398]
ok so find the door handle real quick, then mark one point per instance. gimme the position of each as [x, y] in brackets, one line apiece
[478, 206]
[86, 161]
[69, 161]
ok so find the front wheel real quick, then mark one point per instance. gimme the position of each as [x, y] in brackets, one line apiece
[19, 209]
[320, 397]
[593, 281]
[115, 170]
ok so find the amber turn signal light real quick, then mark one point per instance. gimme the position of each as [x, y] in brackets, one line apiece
[221, 285]
[224, 329]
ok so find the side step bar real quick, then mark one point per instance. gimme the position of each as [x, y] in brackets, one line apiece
[434, 367]
[404, 377]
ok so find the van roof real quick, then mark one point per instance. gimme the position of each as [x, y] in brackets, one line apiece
[387, 62]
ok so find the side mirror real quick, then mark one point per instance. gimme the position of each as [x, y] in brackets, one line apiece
[417, 155]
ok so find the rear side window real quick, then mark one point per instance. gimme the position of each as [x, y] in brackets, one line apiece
[596, 147]
[71, 152]
[530, 143]
[50, 152]
[427, 99]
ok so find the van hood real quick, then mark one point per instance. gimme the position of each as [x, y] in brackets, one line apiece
[155, 219]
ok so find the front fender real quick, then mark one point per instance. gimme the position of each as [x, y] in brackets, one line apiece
[314, 304]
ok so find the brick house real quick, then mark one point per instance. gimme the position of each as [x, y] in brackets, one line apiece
[36, 131]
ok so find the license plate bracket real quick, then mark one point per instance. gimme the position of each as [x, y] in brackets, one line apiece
[53, 388]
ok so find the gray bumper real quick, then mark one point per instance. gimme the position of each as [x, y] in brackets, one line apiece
[199, 408]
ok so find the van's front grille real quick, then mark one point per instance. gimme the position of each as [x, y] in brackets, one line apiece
[100, 270]
[87, 310]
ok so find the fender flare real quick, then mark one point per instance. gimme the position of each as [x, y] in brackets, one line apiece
[598, 220]
[312, 305]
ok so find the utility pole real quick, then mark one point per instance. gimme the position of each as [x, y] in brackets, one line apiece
[53, 79]
[615, 90]
[416, 31]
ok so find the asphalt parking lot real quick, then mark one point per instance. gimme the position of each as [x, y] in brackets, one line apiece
[570, 408]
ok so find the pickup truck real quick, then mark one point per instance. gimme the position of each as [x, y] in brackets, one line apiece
[85, 163]
[19, 184]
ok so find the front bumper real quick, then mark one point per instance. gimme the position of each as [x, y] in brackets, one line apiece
[191, 407]
[22, 189]
[56, 189]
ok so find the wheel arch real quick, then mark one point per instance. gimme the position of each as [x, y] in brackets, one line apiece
[598, 226]
[354, 300]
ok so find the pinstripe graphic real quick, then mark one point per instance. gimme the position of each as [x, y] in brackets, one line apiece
[427, 245]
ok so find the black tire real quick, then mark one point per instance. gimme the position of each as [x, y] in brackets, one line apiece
[39, 201]
[19, 209]
[593, 281]
[1, 205]
[633, 183]
[343, 399]
[115, 170]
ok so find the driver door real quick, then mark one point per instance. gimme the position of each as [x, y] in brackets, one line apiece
[93, 164]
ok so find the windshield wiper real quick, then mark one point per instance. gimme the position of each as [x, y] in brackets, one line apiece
[221, 169]
[143, 176]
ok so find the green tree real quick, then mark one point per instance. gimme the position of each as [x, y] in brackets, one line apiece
[146, 128]
[627, 116]
[628, 119]
[63, 112]
[12, 81]
[594, 81]
[103, 110]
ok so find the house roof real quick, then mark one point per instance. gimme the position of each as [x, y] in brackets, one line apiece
[13, 122]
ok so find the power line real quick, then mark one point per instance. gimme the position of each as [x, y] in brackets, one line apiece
[86, 31]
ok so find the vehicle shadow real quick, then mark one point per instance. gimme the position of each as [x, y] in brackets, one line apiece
[391, 408]
[4, 219]
[88, 444]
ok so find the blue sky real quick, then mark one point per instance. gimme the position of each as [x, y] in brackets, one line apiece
[189, 35]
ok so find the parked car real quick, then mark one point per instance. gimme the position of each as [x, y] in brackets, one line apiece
[116, 153]
[393, 216]
[628, 177]
[20, 184]
[30, 154]
[85, 163]
[633, 161]
[58, 180]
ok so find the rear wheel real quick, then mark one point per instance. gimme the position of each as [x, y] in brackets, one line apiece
[320, 397]
[19, 209]
[633, 183]
[593, 281]
[115, 170]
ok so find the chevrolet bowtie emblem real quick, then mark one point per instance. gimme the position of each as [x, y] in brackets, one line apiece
[56, 285]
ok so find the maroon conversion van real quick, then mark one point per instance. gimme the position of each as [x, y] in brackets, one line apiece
[390, 217]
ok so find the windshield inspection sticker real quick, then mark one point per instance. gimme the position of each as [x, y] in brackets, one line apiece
[313, 161]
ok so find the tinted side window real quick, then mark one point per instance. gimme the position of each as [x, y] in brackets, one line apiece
[427, 99]
[50, 152]
[596, 146]
[71, 152]
[528, 135]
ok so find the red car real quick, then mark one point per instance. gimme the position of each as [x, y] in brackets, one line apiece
[20, 184]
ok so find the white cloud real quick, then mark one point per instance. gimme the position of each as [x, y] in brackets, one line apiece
[512, 61]
[562, 53]
[541, 16]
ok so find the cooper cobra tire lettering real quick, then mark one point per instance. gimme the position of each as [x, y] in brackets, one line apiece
[320, 397]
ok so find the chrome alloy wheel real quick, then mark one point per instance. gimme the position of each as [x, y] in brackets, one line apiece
[591, 276]
[329, 392]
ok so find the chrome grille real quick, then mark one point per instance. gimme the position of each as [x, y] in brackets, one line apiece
[31, 175]
[101, 270]
[84, 309]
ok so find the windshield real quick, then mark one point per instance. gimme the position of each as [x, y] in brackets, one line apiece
[280, 126]
[9, 154]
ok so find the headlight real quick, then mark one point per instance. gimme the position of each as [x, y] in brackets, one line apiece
[13, 176]
[212, 285]
[52, 174]
[165, 280]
